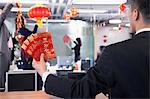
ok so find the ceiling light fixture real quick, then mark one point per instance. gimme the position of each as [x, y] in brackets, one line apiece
[99, 1]
[56, 21]
[115, 21]
[91, 11]
[14, 9]
[26, 1]
[128, 24]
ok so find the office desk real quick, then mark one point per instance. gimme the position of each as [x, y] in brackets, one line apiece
[27, 80]
[34, 95]
[26, 95]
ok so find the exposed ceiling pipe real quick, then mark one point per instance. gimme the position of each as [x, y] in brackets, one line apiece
[67, 6]
[58, 8]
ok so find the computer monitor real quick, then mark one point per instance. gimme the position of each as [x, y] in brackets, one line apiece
[64, 60]
[85, 64]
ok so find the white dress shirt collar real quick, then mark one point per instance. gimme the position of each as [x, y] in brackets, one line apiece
[142, 30]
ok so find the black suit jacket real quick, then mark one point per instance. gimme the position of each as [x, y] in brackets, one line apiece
[123, 68]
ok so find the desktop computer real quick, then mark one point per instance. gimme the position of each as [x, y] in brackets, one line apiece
[64, 61]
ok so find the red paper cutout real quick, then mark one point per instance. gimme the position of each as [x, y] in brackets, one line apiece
[66, 39]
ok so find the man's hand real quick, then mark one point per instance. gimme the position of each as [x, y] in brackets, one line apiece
[39, 66]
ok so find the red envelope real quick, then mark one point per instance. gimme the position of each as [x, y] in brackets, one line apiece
[39, 43]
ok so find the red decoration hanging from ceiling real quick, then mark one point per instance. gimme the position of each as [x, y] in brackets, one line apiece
[67, 16]
[18, 4]
[74, 11]
[19, 15]
[104, 36]
[104, 40]
[39, 12]
[122, 7]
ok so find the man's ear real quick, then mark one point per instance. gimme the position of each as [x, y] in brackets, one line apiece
[1, 11]
[135, 15]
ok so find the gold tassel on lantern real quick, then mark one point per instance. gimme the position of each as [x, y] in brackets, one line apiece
[40, 23]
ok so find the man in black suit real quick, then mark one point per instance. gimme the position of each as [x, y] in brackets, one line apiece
[123, 67]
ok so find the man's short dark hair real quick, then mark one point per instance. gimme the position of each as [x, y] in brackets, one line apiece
[143, 6]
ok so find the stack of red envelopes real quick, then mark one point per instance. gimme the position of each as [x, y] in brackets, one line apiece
[39, 43]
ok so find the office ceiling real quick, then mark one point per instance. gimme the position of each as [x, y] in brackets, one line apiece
[89, 10]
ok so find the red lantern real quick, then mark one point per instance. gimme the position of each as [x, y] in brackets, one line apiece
[119, 27]
[104, 40]
[122, 7]
[74, 11]
[67, 16]
[104, 36]
[39, 12]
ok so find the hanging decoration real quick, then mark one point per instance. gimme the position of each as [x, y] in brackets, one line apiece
[19, 23]
[18, 19]
[39, 12]
[122, 9]
[67, 16]
[119, 27]
[105, 38]
[74, 11]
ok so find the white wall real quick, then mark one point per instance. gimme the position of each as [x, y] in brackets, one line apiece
[112, 36]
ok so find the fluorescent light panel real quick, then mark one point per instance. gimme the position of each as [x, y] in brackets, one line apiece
[91, 11]
[14, 9]
[115, 28]
[26, 1]
[115, 21]
[53, 1]
[99, 1]
[128, 25]
[56, 21]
